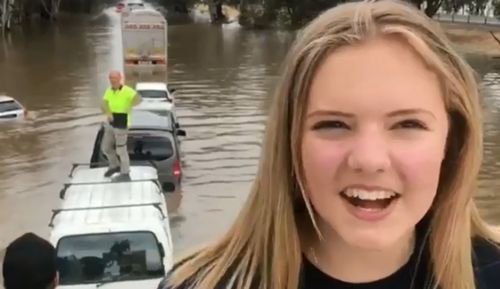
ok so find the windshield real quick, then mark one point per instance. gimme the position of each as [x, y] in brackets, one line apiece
[158, 94]
[10, 105]
[113, 256]
[136, 6]
[149, 148]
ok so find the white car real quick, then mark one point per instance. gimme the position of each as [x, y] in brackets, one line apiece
[134, 4]
[11, 109]
[112, 233]
[156, 97]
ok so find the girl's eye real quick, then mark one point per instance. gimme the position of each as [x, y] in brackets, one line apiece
[411, 124]
[330, 124]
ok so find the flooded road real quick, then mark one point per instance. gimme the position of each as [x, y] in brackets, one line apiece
[222, 76]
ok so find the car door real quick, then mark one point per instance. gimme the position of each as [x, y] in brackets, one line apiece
[96, 158]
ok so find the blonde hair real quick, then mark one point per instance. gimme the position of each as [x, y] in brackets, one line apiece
[263, 247]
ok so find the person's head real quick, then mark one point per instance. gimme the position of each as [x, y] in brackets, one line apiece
[373, 102]
[30, 263]
[115, 79]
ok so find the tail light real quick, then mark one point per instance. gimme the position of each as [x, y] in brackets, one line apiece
[176, 168]
[25, 113]
[159, 61]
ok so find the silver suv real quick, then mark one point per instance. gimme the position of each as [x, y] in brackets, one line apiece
[152, 139]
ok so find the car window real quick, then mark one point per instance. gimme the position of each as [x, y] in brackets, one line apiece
[10, 105]
[135, 6]
[8, 116]
[157, 94]
[108, 257]
[149, 148]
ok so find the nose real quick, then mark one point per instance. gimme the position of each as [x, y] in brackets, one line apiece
[369, 153]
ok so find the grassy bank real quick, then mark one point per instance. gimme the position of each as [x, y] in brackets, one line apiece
[468, 38]
[477, 39]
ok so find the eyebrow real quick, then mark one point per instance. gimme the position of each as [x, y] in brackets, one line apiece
[400, 112]
[408, 111]
[321, 112]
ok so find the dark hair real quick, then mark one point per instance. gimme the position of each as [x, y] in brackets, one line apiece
[30, 263]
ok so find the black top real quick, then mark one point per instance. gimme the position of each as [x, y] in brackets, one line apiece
[408, 276]
[415, 274]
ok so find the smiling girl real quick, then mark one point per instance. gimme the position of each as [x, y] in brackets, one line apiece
[369, 167]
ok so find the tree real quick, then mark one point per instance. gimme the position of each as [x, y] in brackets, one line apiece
[453, 6]
[179, 6]
[49, 9]
[496, 8]
[431, 6]
[215, 9]
[477, 7]
[301, 11]
[265, 13]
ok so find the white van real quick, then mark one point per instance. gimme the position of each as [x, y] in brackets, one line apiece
[113, 233]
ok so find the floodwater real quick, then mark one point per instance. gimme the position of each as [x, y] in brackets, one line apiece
[222, 75]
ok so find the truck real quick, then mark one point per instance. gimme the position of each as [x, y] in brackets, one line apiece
[144, 40]
[111, 233]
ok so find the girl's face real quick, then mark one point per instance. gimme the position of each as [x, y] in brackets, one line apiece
[374, 139]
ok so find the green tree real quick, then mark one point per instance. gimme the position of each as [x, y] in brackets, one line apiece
[496, 8]
[453, 6]
[265, 13]
[431, 6]
[303, 11]
[477, 7]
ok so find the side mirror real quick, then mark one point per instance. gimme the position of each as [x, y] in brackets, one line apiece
[177, 125]
[172, 90]
[181, 132]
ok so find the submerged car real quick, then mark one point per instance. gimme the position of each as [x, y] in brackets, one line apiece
[153, 139]
[11, 108]
[156, 96]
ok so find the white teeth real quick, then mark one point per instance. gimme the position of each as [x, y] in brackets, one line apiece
[369, 195]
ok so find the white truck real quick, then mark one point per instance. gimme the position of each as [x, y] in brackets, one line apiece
[144, 40]
[112, 233]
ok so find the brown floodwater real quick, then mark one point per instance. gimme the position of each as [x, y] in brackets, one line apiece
[222, 75]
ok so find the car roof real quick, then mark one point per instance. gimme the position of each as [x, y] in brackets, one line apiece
[143, 119]
[84, 174]
[99, 219]
[99, 201]
[151, 86]
[147, 12]
[134, 2]
[5, 98]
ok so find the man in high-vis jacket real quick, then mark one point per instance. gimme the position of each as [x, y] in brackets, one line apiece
[117, 104]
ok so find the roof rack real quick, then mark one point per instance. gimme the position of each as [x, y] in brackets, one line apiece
[75, 165]
[62, 193]
[55, 212]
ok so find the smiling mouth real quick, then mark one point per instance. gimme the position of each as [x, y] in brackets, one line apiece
[372, 200]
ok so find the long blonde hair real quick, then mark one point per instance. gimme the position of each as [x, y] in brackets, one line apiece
[263, 248]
